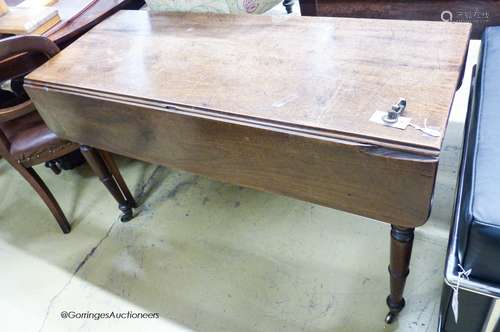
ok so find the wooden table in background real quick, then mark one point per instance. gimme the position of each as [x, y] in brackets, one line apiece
[481, 13]
[280, 104]
[77, 17]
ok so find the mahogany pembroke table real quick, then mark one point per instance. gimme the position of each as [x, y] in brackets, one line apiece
[280, 104]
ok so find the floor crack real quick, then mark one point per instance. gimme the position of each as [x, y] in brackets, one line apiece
[75, 272]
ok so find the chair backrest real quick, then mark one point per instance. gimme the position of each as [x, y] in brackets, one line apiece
[23, 44]
[19, 55]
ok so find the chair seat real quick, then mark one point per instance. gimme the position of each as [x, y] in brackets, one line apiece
[481, 241]
[26, 141]
[485, 207]
[476, 238]
[31, 139]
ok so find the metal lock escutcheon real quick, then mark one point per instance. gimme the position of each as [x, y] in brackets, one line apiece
[396, 110]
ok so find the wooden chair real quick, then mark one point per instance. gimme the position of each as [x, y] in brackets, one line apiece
[26, 141]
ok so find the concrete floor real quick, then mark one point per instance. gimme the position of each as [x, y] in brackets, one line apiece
[209, 256]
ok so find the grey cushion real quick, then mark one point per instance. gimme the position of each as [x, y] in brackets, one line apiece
[486, 181]
[479, 229]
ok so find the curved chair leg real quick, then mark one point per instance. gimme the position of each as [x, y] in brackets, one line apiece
[288, 4]
[115, 171]
[39, 186]
[53, 166]
[99, 167]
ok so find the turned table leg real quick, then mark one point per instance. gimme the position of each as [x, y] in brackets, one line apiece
[115, 172]
[99, 167]
[401, 245]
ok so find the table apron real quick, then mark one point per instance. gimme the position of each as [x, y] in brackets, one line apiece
[327, 172]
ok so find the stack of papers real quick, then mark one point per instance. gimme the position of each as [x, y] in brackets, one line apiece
[36, 3]
[3, 7]
[28, 20]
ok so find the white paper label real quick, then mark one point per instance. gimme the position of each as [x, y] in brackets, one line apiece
[402, 122]
[462, 274]
[454, 304]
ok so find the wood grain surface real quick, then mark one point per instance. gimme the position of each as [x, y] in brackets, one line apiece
[321, 75]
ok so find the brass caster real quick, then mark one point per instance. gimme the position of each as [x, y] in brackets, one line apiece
[391, 317]
[395, 309]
